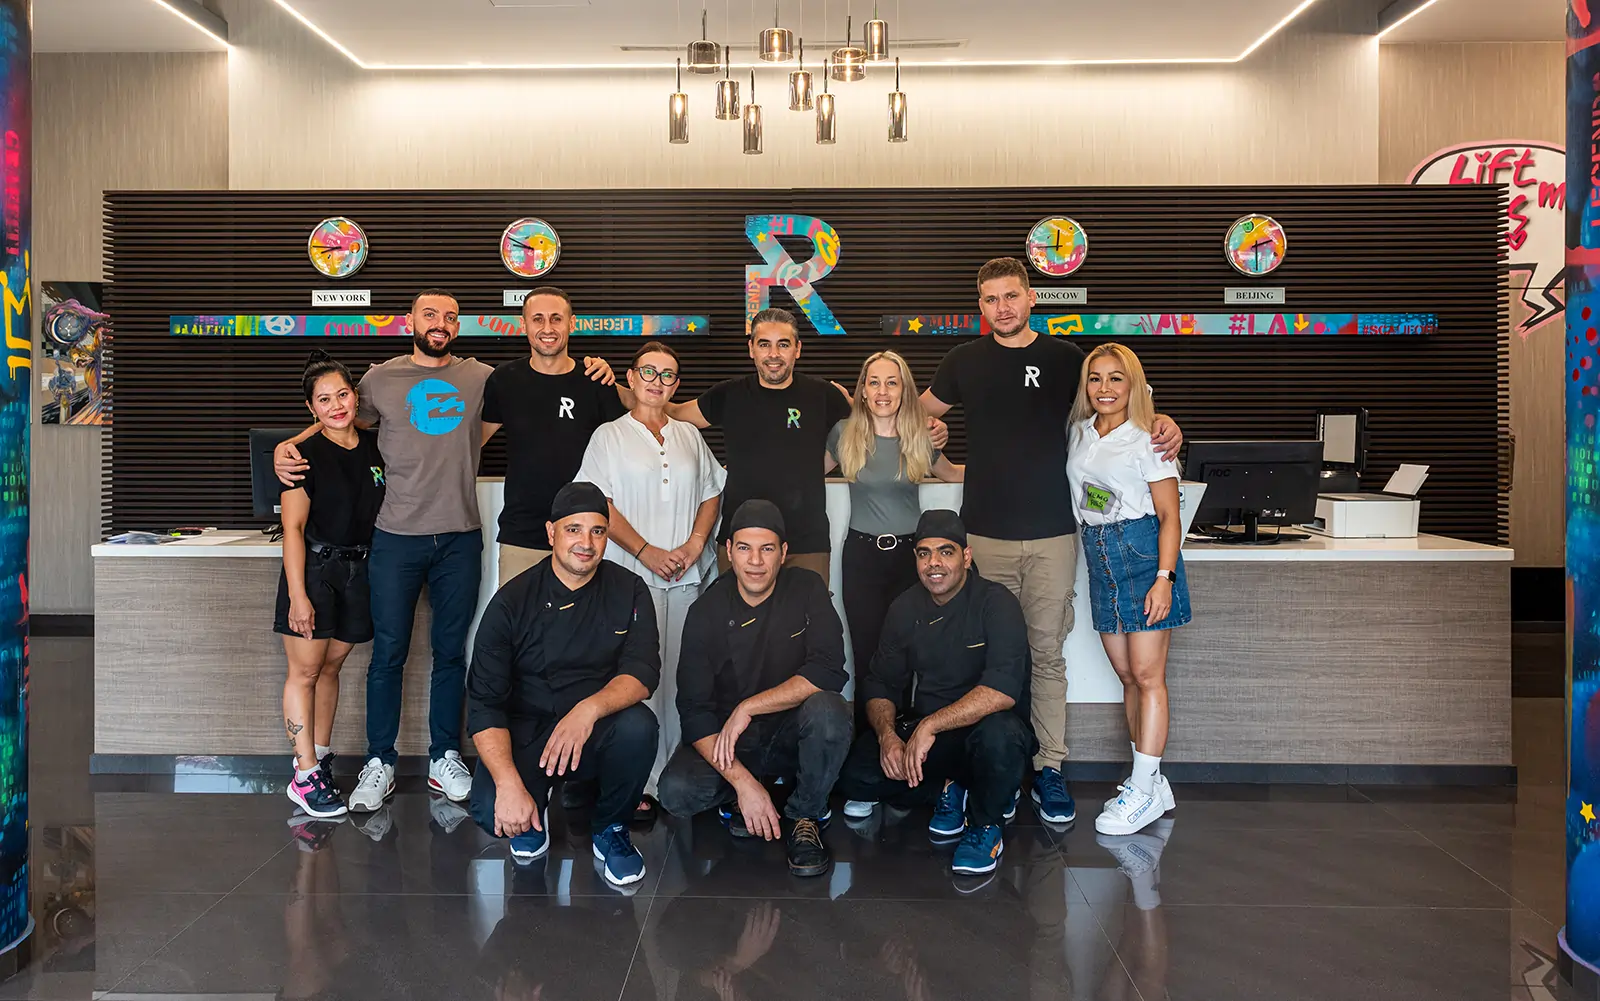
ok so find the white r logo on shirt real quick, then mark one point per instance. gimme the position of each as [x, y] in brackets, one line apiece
[1030, 376]
[566, 409]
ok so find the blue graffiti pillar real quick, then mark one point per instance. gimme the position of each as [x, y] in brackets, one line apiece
[1580, 939]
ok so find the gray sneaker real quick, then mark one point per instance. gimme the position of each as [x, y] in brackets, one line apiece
[375, 785]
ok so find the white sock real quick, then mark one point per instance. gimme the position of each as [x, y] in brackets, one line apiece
[301, 774]
[1145, 769]
[323, 750]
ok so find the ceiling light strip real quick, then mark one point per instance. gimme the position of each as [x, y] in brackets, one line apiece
[192, 21]
[1413, 13]
[936, 64]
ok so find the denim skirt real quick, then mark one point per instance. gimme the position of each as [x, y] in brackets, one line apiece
[1123, 559]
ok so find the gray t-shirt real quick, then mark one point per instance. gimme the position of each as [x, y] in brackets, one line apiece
[881, 503]
[430, 433]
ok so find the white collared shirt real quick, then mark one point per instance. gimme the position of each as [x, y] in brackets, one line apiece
[1111, 476]
[657, 486]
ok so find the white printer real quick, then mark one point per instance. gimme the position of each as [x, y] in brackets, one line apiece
[1389, 514]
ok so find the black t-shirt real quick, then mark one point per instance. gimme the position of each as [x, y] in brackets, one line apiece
[776, 439]
[1017, 403]
[548, 420]
[346, 489]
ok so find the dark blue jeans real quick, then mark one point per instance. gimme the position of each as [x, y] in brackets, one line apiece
[451, 565]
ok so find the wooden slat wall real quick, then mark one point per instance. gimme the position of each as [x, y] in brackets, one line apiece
[183, 405]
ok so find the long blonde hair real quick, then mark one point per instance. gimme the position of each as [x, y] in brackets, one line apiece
[1141, 409]
[857, 441]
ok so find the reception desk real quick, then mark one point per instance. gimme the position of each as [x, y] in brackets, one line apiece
[1320, 661]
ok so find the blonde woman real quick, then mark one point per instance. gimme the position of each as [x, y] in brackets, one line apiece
[884, 450]
[1126, 497]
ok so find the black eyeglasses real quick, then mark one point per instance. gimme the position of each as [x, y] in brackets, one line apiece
[649, 373]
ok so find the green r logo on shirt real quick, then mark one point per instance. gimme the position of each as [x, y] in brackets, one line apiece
[377, 475]
[794, 418]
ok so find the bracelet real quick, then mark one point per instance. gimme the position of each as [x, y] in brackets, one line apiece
[642, 547]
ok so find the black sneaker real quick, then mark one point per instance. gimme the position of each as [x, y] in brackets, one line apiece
[316, 796]
[325, 766]
[733, 820]
[808, 856]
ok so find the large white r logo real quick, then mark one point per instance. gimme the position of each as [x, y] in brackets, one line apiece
[566, 409]
[1030, 376]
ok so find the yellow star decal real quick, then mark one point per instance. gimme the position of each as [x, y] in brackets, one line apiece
[693, 326]
[915, 326]
[761, 237]
[1587, 813]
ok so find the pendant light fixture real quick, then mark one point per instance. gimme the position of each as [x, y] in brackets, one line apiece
[875, 36]
[897, 108]
[800, 84]
[752, 120]
[777, 42]
[849, 60]
[727, 91]
[826, 136]
[704, 55]
[678, 112]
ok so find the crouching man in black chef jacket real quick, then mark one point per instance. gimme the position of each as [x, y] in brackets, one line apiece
[947, 697]
[758, 695]
[564, 658]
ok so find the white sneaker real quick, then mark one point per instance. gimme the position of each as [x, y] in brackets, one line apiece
[1132, 812]
[859, 809]
[1163, 792]
[450, 776]
[375, 785]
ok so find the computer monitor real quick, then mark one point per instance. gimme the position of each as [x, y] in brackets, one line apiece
[1253, 482]
[264, 485]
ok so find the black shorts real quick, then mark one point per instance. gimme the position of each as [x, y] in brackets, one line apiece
[339, 597]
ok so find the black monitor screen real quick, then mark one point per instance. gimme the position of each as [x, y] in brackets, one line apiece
[264, 485]
[1273, 481]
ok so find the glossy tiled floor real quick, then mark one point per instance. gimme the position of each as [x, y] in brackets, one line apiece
[1243, 892]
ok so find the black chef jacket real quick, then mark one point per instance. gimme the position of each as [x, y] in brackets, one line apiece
[732, 651]
[541, 648]
[945, 651]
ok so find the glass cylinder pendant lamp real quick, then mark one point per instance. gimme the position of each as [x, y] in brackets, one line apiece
[826, 133]
[875, 36]
[752, 120]
[849, 60]
[897, 108]
[678, 112]
[705, 56]
[800, 84]
[727, 92]
[777, 42]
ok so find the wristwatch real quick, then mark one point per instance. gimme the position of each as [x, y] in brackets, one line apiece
[1170, 576]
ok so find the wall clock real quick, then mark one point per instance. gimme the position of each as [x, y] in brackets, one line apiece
[337, 247]
[1255, 245]
[530, 247]
[1057, 246]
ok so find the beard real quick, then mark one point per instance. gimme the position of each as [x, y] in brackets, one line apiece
[420, 339]
[1018, 326]
[767, 375]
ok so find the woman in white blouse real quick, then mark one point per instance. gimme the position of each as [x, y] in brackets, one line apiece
[665, 488]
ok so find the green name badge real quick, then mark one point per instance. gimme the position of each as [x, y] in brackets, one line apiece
[1098, 498]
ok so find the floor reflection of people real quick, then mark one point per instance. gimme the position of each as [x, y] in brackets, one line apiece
[1141, 941]
[313, 923]
[549, 948]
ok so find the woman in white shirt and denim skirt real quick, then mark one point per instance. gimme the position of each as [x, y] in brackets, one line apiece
[1127, 503]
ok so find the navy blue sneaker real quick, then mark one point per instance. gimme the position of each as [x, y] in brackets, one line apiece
[979, 851]
[733, 820]
[1011, 811]
[950, 816]
[623, 863]
[1050, 796]
[530, 845]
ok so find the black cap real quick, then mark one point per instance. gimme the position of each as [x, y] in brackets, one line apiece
[757, 513]
[579, 497]
[940, 523]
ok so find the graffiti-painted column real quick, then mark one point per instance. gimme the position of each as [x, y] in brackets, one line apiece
[1580, 939]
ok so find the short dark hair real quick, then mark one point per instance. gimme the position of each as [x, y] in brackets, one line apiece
[548, 290]
[1002, 267]
[654, 347]
[318, 364]
[775, 315]
[434, 291]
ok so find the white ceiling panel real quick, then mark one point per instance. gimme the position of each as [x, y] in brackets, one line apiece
[114, 26]
[1485, 21]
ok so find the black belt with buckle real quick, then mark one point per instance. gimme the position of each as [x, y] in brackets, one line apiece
[883, 542]
[339, 552]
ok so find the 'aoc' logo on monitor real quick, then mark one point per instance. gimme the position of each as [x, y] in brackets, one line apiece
[435, 407]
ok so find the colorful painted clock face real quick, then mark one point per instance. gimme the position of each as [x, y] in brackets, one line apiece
[530, 247]
[1057, 246]
[1256, 245]
[337, 247]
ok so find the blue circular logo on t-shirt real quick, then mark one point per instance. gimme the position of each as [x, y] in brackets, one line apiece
[435, 407]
